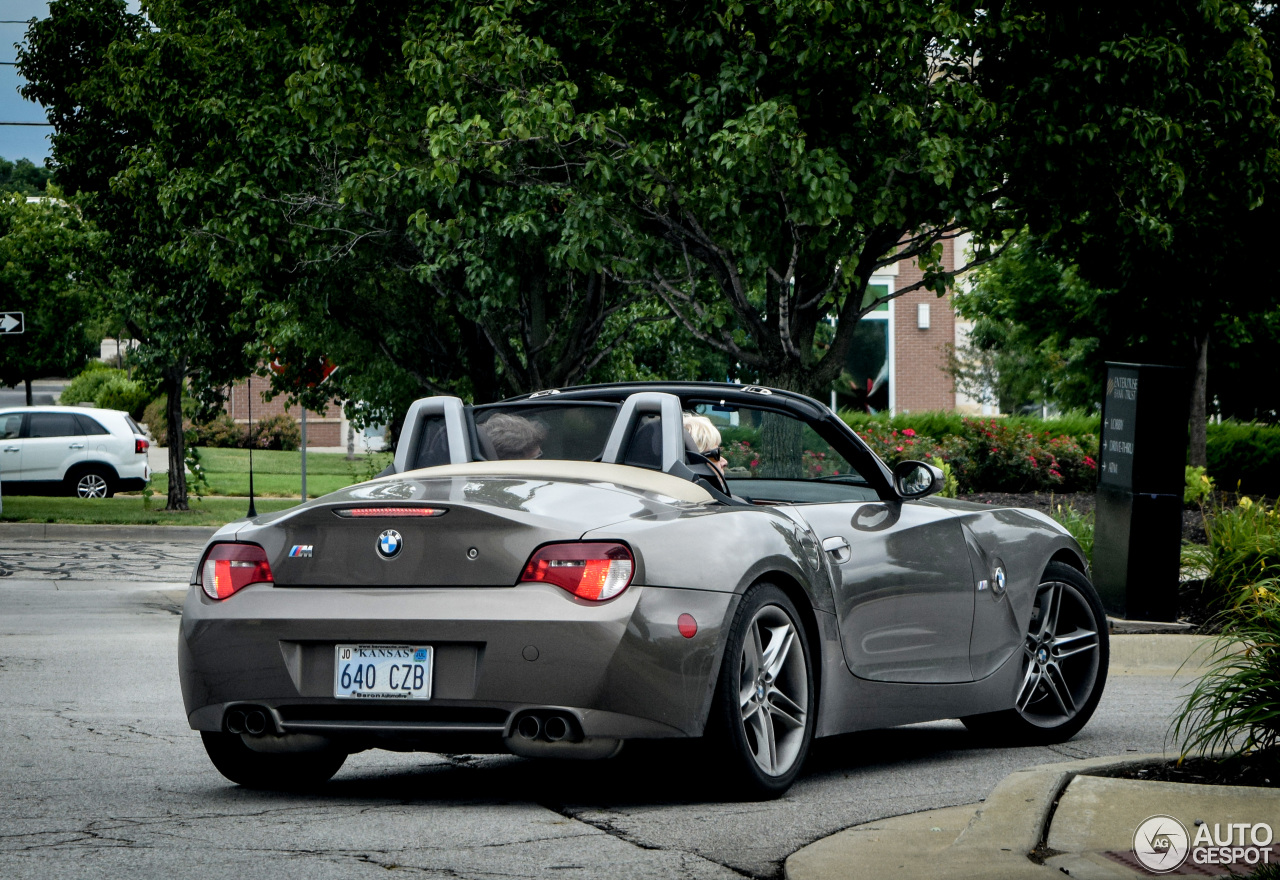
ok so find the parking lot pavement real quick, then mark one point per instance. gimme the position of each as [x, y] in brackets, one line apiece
[100, 775]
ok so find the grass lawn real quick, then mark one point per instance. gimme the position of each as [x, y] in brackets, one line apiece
[129, 510]
[278, 473]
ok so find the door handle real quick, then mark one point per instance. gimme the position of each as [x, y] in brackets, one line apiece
[13, 449]
[838, 547]
[75, 446]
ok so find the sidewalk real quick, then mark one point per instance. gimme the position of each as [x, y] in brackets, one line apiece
[1048, 821]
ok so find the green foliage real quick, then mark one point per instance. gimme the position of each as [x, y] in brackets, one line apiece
[23, 176]
[1245, 456]
[1080, 525]
[1035, 335]
[1243, 549]
[155, 415]
[989, 455]
[950, 485]
[1235, 706]
[279, 432]
[124, 394]
[1198, 486]
[84, 388]
[220, 432]
[1077, 424]
[47, 271]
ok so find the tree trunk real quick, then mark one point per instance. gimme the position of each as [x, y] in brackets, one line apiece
[176, 439]
[781, 447]
[351, 442]
[27, 382]
[1200, 404]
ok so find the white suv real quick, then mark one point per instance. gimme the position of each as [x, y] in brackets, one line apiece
[71, 450]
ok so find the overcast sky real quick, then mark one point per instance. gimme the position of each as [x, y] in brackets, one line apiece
[21, 141]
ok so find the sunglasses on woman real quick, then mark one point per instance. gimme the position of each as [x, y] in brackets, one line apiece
[713, 454]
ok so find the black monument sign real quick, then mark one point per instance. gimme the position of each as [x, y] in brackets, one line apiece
[1142, 464]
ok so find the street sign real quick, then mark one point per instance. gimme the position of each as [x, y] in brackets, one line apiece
[12, 323]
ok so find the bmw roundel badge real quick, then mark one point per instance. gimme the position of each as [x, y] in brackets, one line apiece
[389, 544]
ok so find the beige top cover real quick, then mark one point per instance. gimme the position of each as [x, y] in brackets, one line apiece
[642, 479]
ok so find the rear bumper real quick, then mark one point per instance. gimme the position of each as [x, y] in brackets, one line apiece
[621, 668]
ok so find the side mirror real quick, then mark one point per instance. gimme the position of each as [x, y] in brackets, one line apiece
[915, 479]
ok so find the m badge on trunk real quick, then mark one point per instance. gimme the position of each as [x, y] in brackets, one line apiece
[389, 544]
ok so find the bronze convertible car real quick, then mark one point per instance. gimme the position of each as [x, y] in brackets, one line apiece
[556, 574]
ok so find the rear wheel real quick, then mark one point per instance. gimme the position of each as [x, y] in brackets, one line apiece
[290, 772]
[93, 482]
[1064, 663]
[762, 717]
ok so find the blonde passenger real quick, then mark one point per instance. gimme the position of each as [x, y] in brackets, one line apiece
[706, 437]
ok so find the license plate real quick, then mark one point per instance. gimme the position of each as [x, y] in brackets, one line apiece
[384, 672]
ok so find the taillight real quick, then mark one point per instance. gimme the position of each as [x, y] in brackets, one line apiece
[140, 445]
[229, 568]
[595, 571]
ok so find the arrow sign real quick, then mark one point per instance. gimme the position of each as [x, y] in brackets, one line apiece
[12, 323]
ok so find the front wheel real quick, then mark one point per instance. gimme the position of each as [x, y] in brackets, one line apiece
[762, 717]
[285, 772]
[1064, 660]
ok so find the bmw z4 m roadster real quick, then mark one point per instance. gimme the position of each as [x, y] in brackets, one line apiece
[556, 574]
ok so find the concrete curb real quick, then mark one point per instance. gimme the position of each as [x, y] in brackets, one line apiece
[994, 842]
[71, 532]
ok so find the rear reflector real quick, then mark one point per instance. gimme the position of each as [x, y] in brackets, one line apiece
[389, 511]
[229, 568]
[595, 571]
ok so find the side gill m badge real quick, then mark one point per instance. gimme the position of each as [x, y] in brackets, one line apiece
[303, 551]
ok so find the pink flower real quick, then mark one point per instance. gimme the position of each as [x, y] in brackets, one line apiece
[899, 448]
[755, 462]
[909, 433]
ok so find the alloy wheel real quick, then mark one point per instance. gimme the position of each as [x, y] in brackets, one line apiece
[773, 690]
[91, 485]
[1061, 651]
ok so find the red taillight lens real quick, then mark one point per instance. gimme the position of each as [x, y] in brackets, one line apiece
[229, 568]
[595, 571]
[140, 446]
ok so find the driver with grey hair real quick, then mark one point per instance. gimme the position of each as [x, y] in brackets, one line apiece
[513, 436]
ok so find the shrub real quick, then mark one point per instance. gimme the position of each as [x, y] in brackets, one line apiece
[993, 455]
[277, 432]
[1245, 456]
[1198, 486]
[1236, 705]
[1243, 549]
[85, 387]
[1080, 525]
[157, 422]
[221, 432]
[123, 394]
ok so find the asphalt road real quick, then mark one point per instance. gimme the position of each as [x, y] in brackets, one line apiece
[100, 776]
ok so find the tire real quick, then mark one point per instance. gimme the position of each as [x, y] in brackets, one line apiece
[92, 482]
[763, 712]
[1064, 659]
[281, 772]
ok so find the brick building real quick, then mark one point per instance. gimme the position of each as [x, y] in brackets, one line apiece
[329, 429]
[900, 352]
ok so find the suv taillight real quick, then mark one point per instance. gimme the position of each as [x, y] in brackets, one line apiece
[229, 568]
[595, 571]
[140, 445]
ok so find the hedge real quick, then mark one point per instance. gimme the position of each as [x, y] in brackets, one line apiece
[1243, 456]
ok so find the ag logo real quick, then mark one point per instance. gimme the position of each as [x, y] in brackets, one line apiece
[389, 543]
[1161, 844]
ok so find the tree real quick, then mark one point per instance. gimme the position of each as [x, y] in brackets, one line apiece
[99, 71]
[23, 177]
[1167, 112]
[46, 272]
[296, 201]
